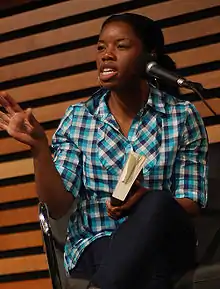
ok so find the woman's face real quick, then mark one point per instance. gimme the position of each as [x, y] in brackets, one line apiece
[120, 60]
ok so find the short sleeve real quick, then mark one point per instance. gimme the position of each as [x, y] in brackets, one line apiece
[66, 155]
[190, 168]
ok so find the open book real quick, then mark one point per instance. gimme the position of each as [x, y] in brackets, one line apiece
[132, 169]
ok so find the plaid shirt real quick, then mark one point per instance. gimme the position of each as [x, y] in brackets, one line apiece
[90, 152]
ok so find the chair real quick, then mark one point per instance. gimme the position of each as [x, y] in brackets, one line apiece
[206, 274]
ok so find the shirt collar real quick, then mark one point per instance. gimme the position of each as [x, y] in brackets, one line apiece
[97, 104]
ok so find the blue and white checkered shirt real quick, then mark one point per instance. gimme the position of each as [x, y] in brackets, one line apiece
[90, 152]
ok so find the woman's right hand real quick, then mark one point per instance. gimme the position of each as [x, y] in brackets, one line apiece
[19, 123]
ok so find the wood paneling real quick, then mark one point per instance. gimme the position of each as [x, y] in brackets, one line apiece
[54, 12]
[33, 284]
[213, 133]
[92, 27]
[23, 264]
[28, 32]
[18, 216]
[17, 192]
[195, 56]
[48, 63]
[55, 86]
[6, 4]
[21, 240]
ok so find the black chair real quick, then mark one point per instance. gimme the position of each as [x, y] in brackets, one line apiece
[206, 274]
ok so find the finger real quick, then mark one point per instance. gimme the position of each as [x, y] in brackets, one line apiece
[9, 103]
[30, 116]
[4, 117]
[3, 125]
[134, 198]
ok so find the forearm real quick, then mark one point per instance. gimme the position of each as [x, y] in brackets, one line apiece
[191, 207]
[49, 185]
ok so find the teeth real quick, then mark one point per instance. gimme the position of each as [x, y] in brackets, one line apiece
[108, 69]
[107, 72]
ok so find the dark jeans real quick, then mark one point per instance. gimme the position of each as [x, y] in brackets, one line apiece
[155, 243]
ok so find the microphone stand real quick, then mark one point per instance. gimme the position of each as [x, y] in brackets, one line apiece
[198, 89]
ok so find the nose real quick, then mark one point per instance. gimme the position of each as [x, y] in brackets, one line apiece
[108, 55]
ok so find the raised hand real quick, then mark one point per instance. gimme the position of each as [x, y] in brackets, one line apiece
[19, 123]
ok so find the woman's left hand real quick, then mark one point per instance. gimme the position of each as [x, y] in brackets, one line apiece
[118, 212]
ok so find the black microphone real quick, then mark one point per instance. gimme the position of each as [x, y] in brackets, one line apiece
[153, 69]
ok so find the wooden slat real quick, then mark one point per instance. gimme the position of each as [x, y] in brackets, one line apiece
[196, 56]
[208, 79]
[83, 81]
[48, 63]
[6, 4]
[83, 55]
[21, 240]
[204, 111]
[53, 12]
[25, 166]
[58, 11]
[56, 86]
[19, 216]
[214, 133]
[56, 111]
[33, 284]
[17, 192]
[16, 168]
[10, 145]
[23, 264]
[192, 30]
[91, 28]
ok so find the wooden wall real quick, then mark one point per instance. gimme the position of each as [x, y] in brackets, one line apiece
[47, 63]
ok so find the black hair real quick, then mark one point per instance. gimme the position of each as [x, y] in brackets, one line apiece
[152, 38]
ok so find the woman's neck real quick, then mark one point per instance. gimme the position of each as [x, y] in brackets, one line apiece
[127, 103]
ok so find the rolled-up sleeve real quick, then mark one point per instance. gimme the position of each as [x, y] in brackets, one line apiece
[66, 155]
[190, 167]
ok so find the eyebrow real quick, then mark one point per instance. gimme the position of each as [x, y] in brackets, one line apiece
[120, 39]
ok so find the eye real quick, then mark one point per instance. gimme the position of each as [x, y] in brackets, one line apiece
[100, 47]
[123, 45]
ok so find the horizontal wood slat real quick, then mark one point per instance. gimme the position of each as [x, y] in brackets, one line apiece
[27, 190]
[196, 56]
[16, 168]
[55, 86]
[48, 63]
[10, 145]
[88, 54]
[70, 8]
[90, 28]
[213, 133]
[204, 111]
[208, 79]
[83, 81]
[23, 264]
[33, 284]
[17, 192]
[19, 216]
[192, 30]
[21, 240]
[53, 12]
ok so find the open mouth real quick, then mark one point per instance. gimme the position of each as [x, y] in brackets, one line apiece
[107, 73]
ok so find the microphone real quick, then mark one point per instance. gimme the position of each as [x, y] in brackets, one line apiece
[153, 69]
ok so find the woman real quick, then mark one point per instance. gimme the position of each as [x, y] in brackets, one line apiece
[149, 239]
